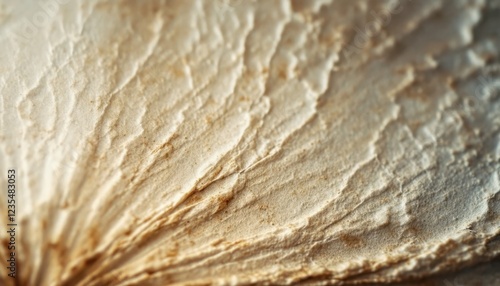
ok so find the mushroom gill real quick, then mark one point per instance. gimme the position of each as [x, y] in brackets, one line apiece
[249, 142]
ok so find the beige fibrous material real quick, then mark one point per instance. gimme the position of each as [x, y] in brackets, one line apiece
[249, 142]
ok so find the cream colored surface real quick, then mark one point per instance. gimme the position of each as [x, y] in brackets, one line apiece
[192, 142]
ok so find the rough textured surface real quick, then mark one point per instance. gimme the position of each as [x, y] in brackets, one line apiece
[250, 142]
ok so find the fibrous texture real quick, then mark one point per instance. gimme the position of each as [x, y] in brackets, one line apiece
[249, 142]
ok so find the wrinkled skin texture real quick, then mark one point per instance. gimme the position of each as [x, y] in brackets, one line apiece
[176, 142]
